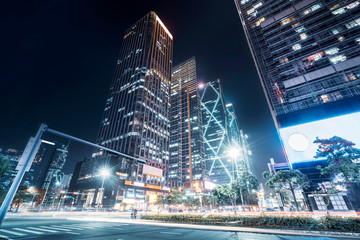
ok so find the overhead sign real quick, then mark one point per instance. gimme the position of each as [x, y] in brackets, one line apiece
[152, 171]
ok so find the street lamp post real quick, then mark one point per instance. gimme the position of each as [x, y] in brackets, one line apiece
[104, 173]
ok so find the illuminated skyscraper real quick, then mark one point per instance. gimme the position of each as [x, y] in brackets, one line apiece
[136, 115]
[187, 159]
[307, 56]
[217, 134]
[239, 142]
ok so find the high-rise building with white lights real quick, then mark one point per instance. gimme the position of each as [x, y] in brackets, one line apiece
[187, 156]
[136, 119]
[308, 60]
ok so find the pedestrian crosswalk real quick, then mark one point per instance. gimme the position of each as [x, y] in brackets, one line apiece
[19, 233]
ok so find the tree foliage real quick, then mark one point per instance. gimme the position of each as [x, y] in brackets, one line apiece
[287, 180]
[5, 166]
[241, 191]
[244, 187]
[224, 195]
[343, 161]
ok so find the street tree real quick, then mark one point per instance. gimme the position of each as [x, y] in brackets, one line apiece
[287, 180]
[5, 166]
[244, 186]
[224, 195]
[343, 162]
[176, 196]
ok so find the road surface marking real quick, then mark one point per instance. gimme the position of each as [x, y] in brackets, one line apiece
[29, 231]
[41, 229]
[73, 233]
[56, 228]
[6, 237]
[172, 233]
[73, 228]
[11, 232]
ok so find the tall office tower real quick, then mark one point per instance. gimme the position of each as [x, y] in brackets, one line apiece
[308, 60]
[135, 119]
[47, 170]
[187, 156]
[239, 142]
[217, 134]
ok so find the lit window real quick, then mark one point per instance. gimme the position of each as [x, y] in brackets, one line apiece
[337, 59]
[296, 47]
[341, 38]
[260, 21]
[303, 36]
[287, 20]
[257, 5]
[353, 23]
[284, 60]
[316, 7]
[332, 51]
[339, 11]
[351, 76]
[335, 31]
[352, 5]
[357, 40]
[315, 57]
[325, 98]
[300, 29]
[312, 8]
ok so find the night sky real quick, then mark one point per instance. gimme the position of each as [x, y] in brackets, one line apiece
[58, 59]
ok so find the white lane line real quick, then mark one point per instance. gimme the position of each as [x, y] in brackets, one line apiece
[5, 237]
[11, 232]
[78, 226]
[171, 233]
[29, 231]
[42, 229]
[73, 233]
[73, 228]
[56, 228]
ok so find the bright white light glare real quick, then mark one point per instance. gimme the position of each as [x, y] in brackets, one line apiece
[104, 172]
[234, 152]
[201, 85]
[57, 183]
[298, 142]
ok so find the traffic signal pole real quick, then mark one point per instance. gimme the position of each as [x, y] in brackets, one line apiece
[23, 166]
[29, 154]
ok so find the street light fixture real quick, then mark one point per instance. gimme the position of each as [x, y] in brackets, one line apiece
[234, 151]
[104, 173]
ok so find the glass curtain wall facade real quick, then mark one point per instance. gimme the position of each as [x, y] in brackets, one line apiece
[217, 134]
[239, 142]
[187, 155]
[307, 56]
[136, 114]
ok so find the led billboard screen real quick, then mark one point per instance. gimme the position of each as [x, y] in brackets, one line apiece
[298, 140]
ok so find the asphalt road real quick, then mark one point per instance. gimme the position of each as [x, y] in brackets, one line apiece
[53, 229]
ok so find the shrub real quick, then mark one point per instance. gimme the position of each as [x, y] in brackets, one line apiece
[290, 222]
